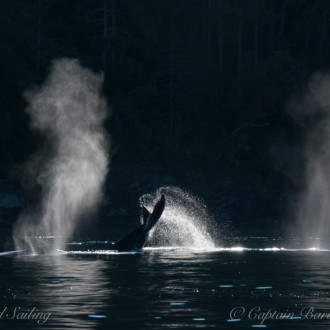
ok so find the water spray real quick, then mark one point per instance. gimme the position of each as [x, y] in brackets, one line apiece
[69, 110]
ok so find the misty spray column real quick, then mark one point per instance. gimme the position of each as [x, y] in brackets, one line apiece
[69, 111]
[312, 111]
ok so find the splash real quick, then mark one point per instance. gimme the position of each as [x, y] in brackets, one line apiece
[69, 111]
[313, 113]
[184, 222]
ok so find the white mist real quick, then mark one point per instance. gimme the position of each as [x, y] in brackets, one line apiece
[312, 111]
[69, 110]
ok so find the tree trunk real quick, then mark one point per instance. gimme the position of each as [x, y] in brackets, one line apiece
[283, 16]
[172, 78]
[209, 28]
[105, 33]
[113, 34]
[38, 55]
[172, 91]
[261, 35]
[323, 32]
[240, 32]
[220, 46]
[256, 39]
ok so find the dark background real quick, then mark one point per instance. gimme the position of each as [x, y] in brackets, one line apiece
[198, 91]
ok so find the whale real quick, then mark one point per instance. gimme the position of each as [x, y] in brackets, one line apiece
[138, 237]
[133, 241]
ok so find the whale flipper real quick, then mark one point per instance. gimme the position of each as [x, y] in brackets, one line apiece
[137, 238]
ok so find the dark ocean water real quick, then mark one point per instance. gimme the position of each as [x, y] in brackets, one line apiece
[167, 288]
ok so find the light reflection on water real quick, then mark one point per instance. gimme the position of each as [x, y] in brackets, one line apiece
[167, 288]
[69, 288]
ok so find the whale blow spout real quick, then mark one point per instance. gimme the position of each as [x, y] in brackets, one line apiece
[69, 111]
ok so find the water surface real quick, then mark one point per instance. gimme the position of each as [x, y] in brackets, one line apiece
[167, 288]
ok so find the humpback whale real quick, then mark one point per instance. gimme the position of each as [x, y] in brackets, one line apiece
[135, 240]
[138, 237]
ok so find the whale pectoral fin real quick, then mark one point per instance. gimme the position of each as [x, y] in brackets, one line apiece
[145, 215]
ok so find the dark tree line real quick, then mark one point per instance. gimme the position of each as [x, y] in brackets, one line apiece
[190, 82]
